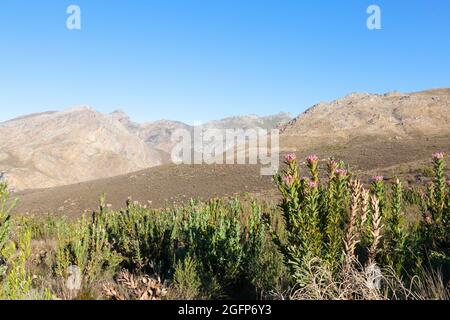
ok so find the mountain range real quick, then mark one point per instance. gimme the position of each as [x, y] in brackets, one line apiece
[58, 148]
[80, 144]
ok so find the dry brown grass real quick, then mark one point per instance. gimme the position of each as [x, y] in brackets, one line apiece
[352, 237]
[131, 287]
[355, 283]
[377, 228]
[431, 286]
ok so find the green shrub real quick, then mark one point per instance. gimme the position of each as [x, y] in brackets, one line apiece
[396, 235]
[229, 243]
[433, 242]
[186, 279]
[315, 216]
[5, 223]
[338, 224]
[144, 238]
[85, 245]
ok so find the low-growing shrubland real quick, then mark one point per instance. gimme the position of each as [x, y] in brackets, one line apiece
[330, 238]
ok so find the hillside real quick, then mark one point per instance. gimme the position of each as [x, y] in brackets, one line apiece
[156, 187]
[57, 148]
[390, 116]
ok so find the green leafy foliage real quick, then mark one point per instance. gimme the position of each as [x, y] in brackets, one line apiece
[86, 246]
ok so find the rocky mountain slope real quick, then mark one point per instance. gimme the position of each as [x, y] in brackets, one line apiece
[392, 116]
[158, 134]
[57, 148]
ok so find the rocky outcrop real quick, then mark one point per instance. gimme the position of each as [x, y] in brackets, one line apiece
[388, 116]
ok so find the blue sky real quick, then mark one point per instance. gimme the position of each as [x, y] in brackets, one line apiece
[195, 60]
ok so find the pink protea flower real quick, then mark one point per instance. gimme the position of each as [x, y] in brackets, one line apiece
[428, 218]
[312, 159]
[448, 183]
[438, 156]
[290, 157]
[288, 180]
[313, 184]
[341, 172]
[377, 178]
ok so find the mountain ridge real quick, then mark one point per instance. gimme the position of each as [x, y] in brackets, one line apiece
[393, 115]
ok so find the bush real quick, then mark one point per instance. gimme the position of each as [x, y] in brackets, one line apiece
[229, 247]
[5, 223]
[433, 243]
[338, 225]
[86, 247]
[15, 251]
[187, 280]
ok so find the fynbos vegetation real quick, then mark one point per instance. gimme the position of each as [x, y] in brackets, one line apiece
[331, 237]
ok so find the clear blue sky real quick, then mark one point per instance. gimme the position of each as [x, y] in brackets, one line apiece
[195, 60]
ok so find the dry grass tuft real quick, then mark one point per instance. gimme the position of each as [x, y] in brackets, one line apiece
[377, 228]
[431, 286]
[352, 237]
[355, 283]
[131, 287]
